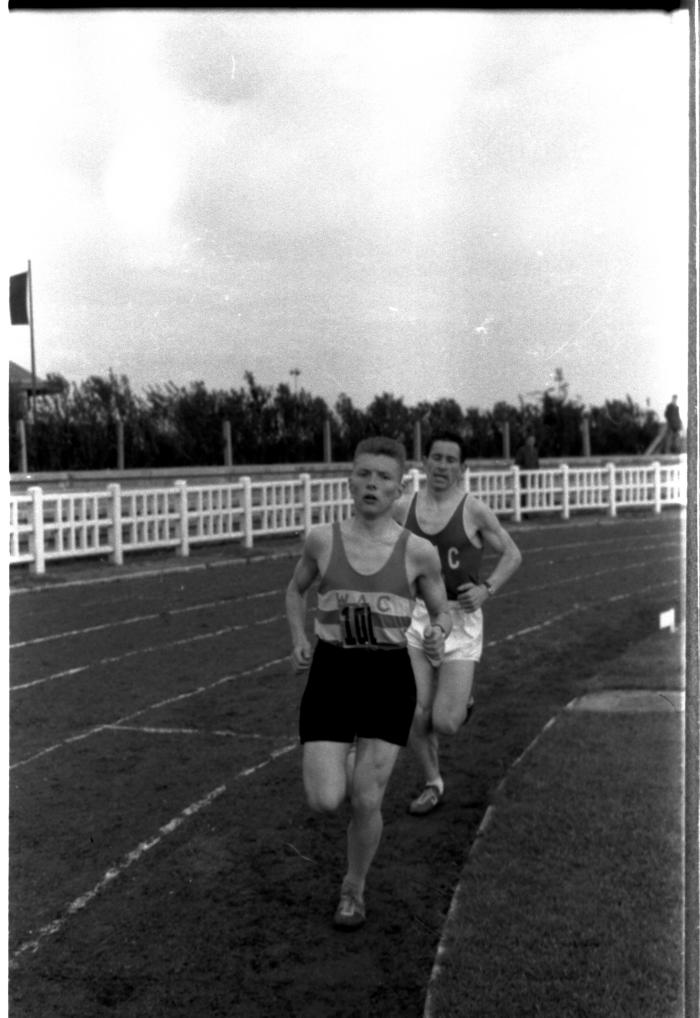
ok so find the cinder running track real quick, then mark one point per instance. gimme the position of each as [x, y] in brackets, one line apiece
[162, 861]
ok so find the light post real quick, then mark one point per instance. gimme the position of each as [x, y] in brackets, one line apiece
[295, 372]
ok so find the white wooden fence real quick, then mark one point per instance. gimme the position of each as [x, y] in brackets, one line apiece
[46, 526]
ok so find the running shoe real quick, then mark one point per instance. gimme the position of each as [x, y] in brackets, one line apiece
[350, 913]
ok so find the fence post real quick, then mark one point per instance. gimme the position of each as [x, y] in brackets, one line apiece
[586, 433]
[517, 513]
[678, 481]
[505, 434]
[306, 501]
[117, 556]
[37, 540]
[657, 486]
[120, 444]
[184, 547]
[415, 480]
[611, 489]
[228, 444]
[565, 500]
[327, 448]
[247, 512]
[417, 442]
[22, 436]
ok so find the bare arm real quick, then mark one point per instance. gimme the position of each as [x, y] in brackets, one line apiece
[305, 572]
[430, 584]
[471, 595]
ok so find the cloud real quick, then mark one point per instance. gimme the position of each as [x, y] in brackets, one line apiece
[362, 179]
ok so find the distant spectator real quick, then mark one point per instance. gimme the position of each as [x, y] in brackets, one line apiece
[527, 456]
[674, 426]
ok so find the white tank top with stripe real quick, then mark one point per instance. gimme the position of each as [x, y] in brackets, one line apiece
[358, 611]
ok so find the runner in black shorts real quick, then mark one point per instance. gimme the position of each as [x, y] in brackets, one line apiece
[361, 690]
[360, 694]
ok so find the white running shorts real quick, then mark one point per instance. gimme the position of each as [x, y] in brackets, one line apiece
[465, 640]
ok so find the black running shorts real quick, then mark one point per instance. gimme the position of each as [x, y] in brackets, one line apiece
[358, 692]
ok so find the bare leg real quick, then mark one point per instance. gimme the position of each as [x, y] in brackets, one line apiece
[442, 706]
[374, 763]
[425, 744]
[423, 738]
[350, 767]
[325, 774]
[453, 695]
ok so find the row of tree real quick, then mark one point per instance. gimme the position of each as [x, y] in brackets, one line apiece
[170, 425]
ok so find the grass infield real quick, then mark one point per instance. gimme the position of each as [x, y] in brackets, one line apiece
[571, 902]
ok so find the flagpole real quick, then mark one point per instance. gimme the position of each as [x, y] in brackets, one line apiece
[31, 332]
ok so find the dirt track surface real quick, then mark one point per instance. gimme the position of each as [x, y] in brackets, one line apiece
[162, 859]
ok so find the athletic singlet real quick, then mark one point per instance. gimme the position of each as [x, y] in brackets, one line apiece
[372, 611]
[460, 558]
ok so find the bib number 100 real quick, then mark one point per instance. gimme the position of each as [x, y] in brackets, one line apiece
[356, 620]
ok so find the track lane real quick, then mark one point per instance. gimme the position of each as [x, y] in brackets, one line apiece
[139, 674]
[100, 671]
[553, 616]
[92, 756]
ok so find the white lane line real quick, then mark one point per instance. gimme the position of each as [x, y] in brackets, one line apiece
[227, 678]
[516, 592]
[576, 607]
[455, 904]
[153, 706]
[145, 574]
[145, 618]
[509, 592]
[586, 553]
[214, 634]
[580, 577]
[133, 856]
[274, 755]
[151, 730]
[661, 541]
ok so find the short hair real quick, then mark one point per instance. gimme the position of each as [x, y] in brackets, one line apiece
[447, 436]
[379, 445]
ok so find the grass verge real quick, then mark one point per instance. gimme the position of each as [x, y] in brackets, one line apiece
[571, 902]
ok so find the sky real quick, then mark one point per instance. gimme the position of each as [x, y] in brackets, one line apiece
[435, 204]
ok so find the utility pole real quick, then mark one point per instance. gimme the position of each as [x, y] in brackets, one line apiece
[295, 372]
[30, 305]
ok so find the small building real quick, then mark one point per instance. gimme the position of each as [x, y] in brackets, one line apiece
[22, 387]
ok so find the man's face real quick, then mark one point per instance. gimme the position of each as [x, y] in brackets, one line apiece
[375, 484]
[443, 466]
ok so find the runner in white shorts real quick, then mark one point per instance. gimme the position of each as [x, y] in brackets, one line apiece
[464, 643]
[460, 526]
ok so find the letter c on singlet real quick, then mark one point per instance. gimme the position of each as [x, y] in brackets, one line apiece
[384, 603]
[453, 558]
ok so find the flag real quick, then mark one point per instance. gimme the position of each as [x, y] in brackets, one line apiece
[19, 302]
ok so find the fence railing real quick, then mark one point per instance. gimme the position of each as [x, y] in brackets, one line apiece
[47, 526]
